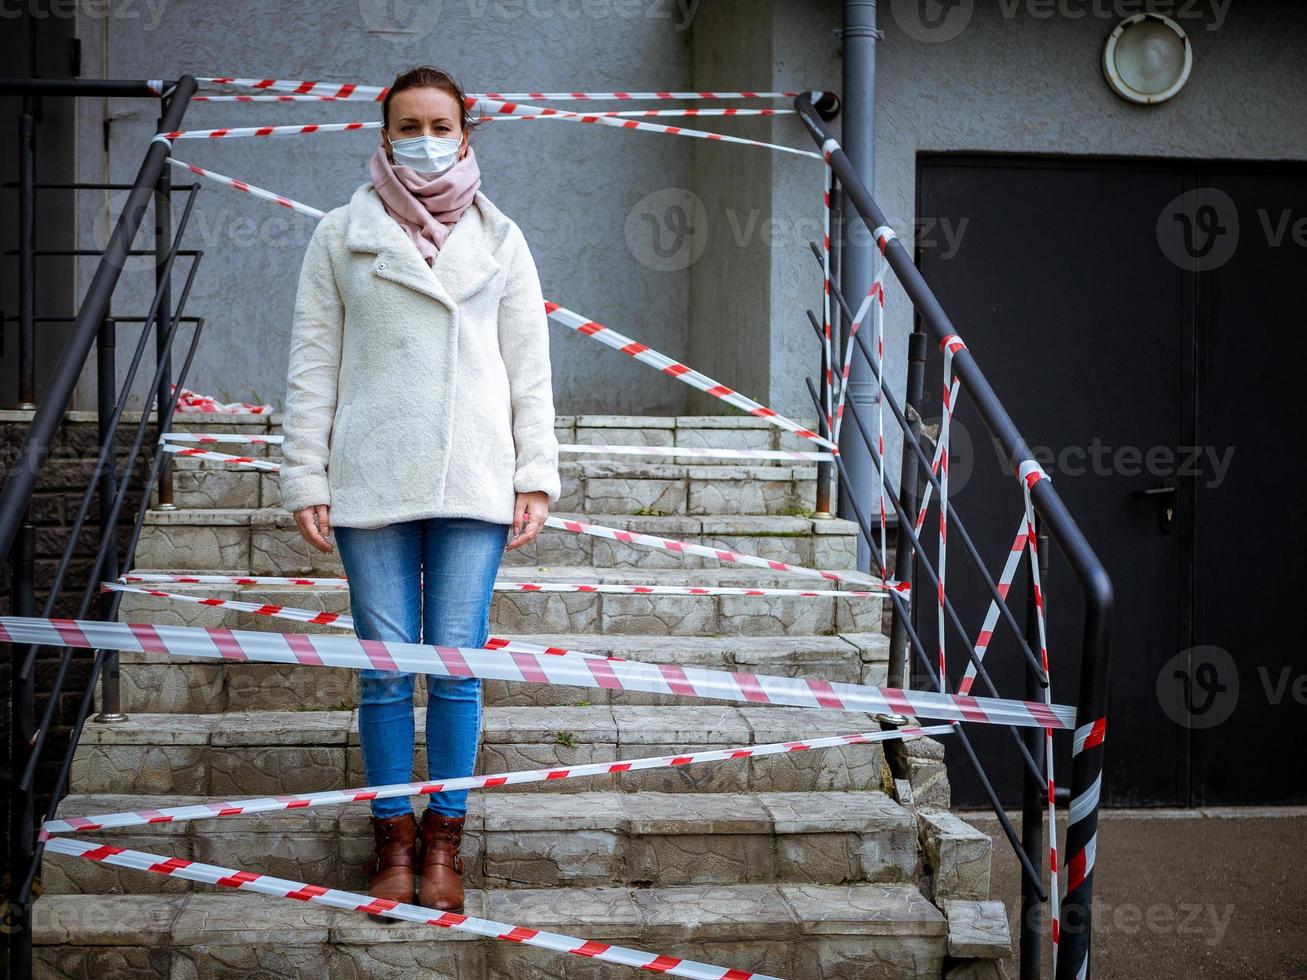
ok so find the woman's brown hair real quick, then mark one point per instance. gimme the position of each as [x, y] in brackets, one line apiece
[428, 76]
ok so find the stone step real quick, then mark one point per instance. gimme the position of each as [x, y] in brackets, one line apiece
[585, 839]
[160, 683]
[800, 931]
[244, 753]
[593, 483]
[266, 541]
[556, 612]
[614, 486]
[732, 431]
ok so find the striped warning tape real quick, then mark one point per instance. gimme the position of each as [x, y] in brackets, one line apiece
[211, 874]
[672, 545]
[590, 672]
[489, 106]
[567, 317]
[272, 439]
[653, 113]
[243, 186]
[682, 372]
[991, 615]
[189, 401]
[319, 617]
[311, 129]
[706, 551]
[950, 345]
[268, 804]
[611, 588]
[253, 462]
[796, 455]
[376, 93]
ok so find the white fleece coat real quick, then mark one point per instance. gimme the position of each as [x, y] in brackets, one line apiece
[413, 390]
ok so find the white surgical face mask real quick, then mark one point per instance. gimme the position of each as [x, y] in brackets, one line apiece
[428, 155]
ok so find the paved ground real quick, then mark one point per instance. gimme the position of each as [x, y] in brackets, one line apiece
[1193, 894]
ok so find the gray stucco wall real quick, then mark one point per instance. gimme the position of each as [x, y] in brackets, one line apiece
[1014, 78]
[569, 186]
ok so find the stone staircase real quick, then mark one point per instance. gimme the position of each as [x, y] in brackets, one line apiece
[806, 865]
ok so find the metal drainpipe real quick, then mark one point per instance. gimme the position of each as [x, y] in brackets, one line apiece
[858, 138]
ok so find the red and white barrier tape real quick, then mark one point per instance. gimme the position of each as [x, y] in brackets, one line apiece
[682, 372]
[615, 588]
[698, 452]
[376, 93]
[991, 614]
[332, 582]
[253, 462]
[569, 318]
[920, 521]
[269, 804]
[705, 551]
[311, 129]
[667, 679]
[189, 401]
[210, 874]
[338, 620]
[875, 292]
[272, 439]
[949, 345]
[245, 187]
[654, 113]
[492, 107]
[610, 533]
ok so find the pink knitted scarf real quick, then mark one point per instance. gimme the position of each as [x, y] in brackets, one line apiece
[425, 207]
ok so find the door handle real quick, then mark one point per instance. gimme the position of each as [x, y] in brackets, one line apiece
[1165, 497]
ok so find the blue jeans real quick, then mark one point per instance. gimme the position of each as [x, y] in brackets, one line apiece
[435, 575]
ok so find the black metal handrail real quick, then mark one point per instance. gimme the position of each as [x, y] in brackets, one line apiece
[1054, 521]
[94, 328]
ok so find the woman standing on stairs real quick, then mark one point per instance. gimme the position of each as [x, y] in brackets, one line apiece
[419, 425]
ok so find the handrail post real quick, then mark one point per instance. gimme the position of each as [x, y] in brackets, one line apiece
[163, 283]
[903, 557]
[1033, 796]
[22, 734]
[26, 257]
[106, 396]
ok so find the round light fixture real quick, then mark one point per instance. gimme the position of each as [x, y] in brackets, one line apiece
[1147, 59]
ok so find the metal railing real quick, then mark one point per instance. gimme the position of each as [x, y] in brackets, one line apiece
[853, 201]
[32, 749]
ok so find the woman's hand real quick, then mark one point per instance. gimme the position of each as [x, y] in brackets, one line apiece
[529, 513]
[315, 524]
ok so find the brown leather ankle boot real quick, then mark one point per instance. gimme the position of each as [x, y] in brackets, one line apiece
[391, 872]
[440, 874]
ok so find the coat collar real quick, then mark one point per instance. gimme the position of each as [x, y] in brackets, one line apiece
[464, 264]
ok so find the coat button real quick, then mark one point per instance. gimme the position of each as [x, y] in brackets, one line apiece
[381, 266]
